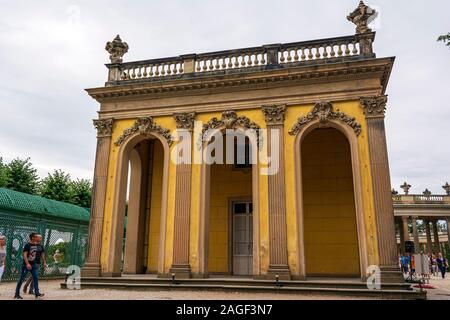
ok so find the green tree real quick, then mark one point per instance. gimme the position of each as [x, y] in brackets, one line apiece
[445, 38]
[81, 193]
[3, 174]
[56, 186]
[21, 176]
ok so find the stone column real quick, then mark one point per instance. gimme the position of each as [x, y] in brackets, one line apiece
[92, 267]
[448, 231]
[405, 228]
[278, 259]
[402, 237]
[436, 245]
[416, 235]
[374, 110]
[180, 264]
[428, 233]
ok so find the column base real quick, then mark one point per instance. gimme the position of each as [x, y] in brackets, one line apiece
[181, 271]
[282, 271]
[91, 270]
[391, 274]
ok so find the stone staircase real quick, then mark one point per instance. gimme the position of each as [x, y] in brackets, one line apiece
[315, 287]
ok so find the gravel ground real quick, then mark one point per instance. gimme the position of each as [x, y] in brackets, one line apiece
[53, 292]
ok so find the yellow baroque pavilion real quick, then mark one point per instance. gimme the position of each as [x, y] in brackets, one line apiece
[326, 212]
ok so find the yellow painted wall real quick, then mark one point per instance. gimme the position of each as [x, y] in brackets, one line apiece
[155, 207]
[118, 128]
[331, 242]
[293, 113]
[352, 108]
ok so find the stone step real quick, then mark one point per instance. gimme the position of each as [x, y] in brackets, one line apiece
[251, 282]
[399, 292]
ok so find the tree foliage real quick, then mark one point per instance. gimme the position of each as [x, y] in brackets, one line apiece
[21, 176]
[56, 186]
[81, 193]
[3, 175]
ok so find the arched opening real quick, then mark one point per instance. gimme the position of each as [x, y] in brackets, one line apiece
[329, 209]
[229, 208]
[139, 207]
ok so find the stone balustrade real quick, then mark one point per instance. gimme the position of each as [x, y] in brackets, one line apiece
[246, 59]
[319, 50]
[421, 199]
[151, 68]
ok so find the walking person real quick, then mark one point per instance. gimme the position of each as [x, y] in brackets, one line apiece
[434, 265]
[404, 264]
[442, 264]
[2, 256]
[33, 253]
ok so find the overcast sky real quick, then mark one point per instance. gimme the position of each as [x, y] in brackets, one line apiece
[50, 51]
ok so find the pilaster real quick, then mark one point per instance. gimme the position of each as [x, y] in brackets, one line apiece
[278, 259]
[92, 266]
[374, 110]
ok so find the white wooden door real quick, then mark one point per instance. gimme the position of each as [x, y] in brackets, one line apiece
[242, 238]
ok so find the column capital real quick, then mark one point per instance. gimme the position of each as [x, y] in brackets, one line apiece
[374, 106]
[185, 120]
[104, 127]
[274, 114]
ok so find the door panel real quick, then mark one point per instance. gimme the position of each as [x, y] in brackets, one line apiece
[242, 238]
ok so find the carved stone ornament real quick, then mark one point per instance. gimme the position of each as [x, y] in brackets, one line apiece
[374, 106]
[185, 120]
[230, 120]
[323, 111]
[103, 126]
[116, 49]
[362, 17]
[405, 186]
[446, 187]
[145, 126]
[274, 114]
[427, 193]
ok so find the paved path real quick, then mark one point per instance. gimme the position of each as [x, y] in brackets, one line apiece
[53, 292]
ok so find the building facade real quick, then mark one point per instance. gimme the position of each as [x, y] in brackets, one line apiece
[317, 111]
[417, 217]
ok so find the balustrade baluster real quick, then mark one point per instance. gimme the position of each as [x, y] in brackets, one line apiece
[332, 52]
[263, 59]
[355, 49]
[310, 53]
[318, 53]
[282, 58]
[340, 50]
[325, 51]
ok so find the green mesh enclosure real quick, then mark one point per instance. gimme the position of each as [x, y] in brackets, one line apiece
[64, 227]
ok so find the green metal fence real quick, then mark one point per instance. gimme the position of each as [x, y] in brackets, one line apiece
[64, 230]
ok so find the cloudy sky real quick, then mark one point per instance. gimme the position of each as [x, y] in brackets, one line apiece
[50, 51]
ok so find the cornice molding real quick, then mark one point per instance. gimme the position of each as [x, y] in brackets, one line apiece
[145, 126]
[279, 77]
[323, 111]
